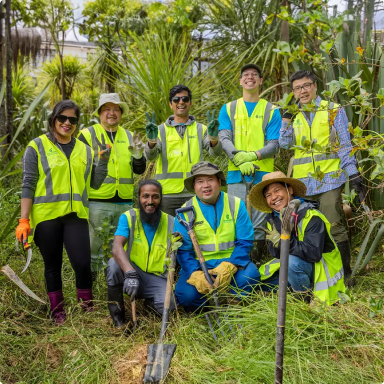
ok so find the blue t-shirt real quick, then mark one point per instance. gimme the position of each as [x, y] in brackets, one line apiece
[123, 229]
[272, 132]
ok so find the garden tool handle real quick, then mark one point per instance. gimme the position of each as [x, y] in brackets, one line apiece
[187, 225]
[168, 294]
[365, 206]
[133, 307]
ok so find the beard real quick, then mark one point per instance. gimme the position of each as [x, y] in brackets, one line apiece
[151, 219]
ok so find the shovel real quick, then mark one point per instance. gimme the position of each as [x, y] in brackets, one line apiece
[286, 229]
[160, 355]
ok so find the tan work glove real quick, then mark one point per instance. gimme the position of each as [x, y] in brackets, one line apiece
[198, 280]
[223, 273]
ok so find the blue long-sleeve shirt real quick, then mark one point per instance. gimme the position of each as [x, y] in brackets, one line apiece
[347, 162]
[243, 242]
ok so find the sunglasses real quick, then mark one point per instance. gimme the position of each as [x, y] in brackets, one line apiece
[185, 99]
[63, 119]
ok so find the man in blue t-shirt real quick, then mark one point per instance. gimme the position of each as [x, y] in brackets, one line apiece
[249, 132]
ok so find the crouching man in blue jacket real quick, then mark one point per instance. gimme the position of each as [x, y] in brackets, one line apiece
[225, 234]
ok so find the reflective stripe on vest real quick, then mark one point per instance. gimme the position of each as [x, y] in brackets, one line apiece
[320, 129]
[63, 185]
[268, 269]
[329, 272]
[225, 235]
[120, 175]
[249, 133]
[178, 155]
[137, 247]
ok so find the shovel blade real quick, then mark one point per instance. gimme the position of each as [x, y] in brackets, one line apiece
[158, 362]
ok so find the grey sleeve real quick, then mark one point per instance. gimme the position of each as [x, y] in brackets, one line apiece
[98, 173]
[212, 151]
[30, 173]
[152, 154]
[270, 149]
[225, 136]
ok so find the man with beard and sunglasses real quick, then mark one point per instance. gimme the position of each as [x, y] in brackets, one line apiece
[139, 249]
[115, 195]
[177, 145]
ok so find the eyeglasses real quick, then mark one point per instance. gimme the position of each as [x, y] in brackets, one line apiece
[185, 99]
[63, 119]
[305, 86]
[250, 74]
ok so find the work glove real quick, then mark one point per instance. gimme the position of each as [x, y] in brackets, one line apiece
[213, 126]
[131, 284]
[291, 115]
[23, 230]
[151, 128]
[137, 147]
[243, 157]
[223, 272]
[357, 183]
[198, 280]
[247, 168]
[104, 149]
[272, 235]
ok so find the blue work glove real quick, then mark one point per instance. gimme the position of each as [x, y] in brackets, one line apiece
[131, 284]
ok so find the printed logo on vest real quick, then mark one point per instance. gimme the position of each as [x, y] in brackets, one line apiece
[228, 219]
[51, 152]
[137, 239]
[199, 223]
[193, 137]
[258, 116]
[175, 153]
[121, 142]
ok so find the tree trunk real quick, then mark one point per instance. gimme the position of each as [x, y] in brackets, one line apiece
[8, 57]
[3, 128]
[62, 80]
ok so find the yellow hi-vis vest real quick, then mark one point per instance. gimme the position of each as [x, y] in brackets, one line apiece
[63, 184]
[250, 132]
[321, 130]
[221, 244]
[120, 175]
[148, 260]
[178, 155]
[329, 272]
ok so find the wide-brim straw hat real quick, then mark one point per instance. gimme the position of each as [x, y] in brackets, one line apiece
[204, 168]
[111, 98]
[256, 196]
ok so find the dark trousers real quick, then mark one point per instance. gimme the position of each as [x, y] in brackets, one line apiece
[170, 203]
[72, 232]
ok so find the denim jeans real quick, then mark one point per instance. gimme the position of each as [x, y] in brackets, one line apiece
[300, 276]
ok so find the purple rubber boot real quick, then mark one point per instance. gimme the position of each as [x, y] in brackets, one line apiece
[84, 297]
[57, 307]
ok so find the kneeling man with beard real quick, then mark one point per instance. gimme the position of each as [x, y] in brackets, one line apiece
[139, 249]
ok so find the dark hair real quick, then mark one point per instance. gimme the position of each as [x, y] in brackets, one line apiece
[301, 74]
[265, 190]
[60, 107]
[178, 89]
[150, 182]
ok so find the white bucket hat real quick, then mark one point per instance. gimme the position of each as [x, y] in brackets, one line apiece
[111, 98]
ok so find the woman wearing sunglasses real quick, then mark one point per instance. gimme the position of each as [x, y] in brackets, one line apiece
[58, 171]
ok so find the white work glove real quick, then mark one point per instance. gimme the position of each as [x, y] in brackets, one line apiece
[137, 147]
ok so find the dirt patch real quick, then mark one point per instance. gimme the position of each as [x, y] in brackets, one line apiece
[130, 368]
[54, 357]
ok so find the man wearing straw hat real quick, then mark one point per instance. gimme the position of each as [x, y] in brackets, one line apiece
[249, 126]
[225, 234]
[115, 195]
[314, 259]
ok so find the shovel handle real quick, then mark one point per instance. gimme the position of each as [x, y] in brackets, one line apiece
[133, 308]
[249, 207]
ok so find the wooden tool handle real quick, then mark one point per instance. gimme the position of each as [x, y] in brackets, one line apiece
[133, 307]
[249, 207]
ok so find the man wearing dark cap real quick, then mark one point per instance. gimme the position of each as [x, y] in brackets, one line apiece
[249, 132]
[225, 234]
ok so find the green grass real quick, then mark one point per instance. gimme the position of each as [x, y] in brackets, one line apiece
[339, 344]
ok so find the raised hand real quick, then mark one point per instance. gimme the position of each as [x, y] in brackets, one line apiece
[213, 126]
[105, 149]
[137, 147]
[151, 128]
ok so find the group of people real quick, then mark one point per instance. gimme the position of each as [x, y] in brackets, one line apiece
[73, 181]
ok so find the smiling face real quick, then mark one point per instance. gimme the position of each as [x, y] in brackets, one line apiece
[181, 108]
[207, 188]
[150, 198]
[304, 89]
[277, 196]
[250, 80]
[110, 115]
[63, 131]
